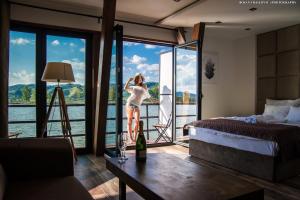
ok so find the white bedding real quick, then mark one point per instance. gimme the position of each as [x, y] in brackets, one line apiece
[240, 142]
[260, 146]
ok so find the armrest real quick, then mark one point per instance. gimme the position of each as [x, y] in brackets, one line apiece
[36, 158]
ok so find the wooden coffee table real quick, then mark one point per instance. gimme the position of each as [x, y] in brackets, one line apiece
[164, 176]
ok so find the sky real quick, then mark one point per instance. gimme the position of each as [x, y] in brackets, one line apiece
[186, 70]
[59, 49]
[137, 58]
[142, 58]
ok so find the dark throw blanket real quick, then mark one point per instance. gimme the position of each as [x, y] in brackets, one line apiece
[286, 136]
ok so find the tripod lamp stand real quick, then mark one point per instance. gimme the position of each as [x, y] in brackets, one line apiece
[59, 72]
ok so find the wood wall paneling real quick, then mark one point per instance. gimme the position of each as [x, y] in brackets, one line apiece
[288, 87]
[266, 66]
[288, 38]
[266, 88]
[288, 63]
[266, 43]
[278, 65]
[4, 62]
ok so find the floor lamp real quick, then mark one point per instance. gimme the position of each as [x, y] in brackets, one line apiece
[59, 72]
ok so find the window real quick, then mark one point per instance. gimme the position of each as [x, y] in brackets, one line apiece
[69, 50]
[22, 87]
[30, 48]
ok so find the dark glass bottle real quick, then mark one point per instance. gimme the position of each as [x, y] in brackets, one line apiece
[141, 145]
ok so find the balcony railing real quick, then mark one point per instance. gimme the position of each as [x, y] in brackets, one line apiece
[147, 117]
[50, 120]
[148, 128]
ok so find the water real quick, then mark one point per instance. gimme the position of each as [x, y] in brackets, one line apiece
[78, 127]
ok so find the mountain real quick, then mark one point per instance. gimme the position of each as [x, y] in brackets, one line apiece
[25, 93]
[74, 93]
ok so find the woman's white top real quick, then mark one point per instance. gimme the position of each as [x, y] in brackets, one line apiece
[137, 95]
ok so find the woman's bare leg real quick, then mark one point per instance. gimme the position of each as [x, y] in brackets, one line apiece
[129, 121]
[136, 124]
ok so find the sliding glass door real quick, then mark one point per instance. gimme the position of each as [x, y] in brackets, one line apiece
[114, 118]
[187, 85]
[31, 47]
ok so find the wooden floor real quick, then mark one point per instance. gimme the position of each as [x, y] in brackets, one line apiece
[102, 184]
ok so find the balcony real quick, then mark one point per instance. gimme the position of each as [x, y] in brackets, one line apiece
[150, 117]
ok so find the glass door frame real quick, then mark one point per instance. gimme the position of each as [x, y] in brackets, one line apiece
[41, 32]
[118, 37]
[197, 43]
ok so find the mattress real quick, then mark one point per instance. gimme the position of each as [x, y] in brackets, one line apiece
[256, 145]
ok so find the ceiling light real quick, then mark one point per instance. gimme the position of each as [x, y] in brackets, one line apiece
[247, 29]
[253, 9]
[218, 22]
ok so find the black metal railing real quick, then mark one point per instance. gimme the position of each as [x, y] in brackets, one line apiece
[50, 120]
[147, 117]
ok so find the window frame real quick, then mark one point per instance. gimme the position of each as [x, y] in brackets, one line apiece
[41, 32]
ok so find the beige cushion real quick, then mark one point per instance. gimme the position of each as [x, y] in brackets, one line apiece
[2, 182]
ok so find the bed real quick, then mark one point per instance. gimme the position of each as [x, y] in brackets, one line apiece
[271, 156]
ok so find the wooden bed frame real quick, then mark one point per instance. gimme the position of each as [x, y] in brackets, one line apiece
[262, 166]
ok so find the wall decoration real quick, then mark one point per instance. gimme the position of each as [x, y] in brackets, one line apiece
[209, 67]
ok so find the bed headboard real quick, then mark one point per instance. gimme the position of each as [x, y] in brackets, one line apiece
[278, 65]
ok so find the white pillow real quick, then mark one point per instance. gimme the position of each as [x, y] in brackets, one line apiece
[277, 112]
[287, 102]
[294, 114]
[279, 102]
[296, 102]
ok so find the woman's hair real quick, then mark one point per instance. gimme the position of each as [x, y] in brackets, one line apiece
[136, 79]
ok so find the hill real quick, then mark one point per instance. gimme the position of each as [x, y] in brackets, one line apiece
[26, 93]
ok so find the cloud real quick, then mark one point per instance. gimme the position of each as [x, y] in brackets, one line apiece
[77, 65]
[72, 44]
[21, 77]
[129, 44]
[148, 67]
[19, 41]
[55, 43]
[137, 59]
[82, 40]
[150, 46]
[79, 78]
[126, 69]
[82, 49]
[187, 68]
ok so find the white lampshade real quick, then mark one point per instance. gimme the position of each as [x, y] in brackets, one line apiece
[58, 72]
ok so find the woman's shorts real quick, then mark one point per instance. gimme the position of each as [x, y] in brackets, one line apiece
[132, 106]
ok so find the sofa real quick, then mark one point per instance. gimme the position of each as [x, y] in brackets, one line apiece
[38, 169]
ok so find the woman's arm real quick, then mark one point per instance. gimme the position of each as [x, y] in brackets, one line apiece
[126, 87]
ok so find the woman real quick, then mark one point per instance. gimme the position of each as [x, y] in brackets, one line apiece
[138, 93]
